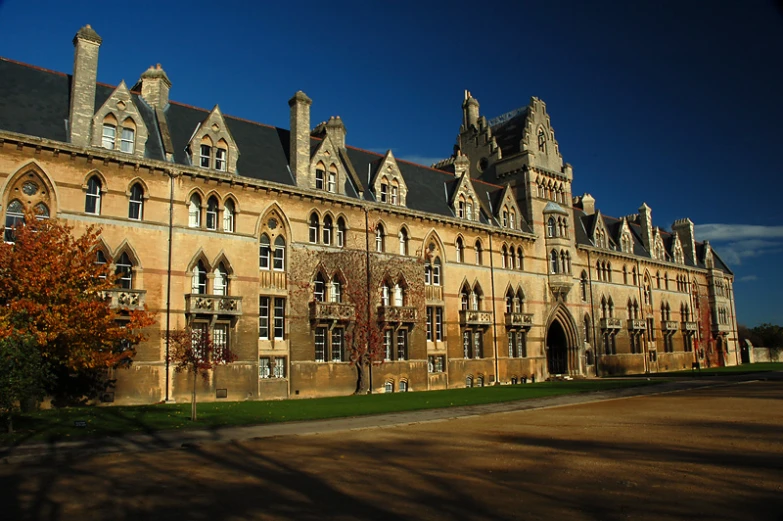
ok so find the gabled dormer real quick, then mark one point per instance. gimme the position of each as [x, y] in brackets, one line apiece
[599, 235]
[118, 125]
[658, 250]
[507, 212]
[330, 166]
[624, 238]
[677, 252]
[212, 145]
[464, 200]
[388, 184]
[709, 261]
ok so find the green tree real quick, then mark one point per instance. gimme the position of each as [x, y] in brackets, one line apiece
[23, 375]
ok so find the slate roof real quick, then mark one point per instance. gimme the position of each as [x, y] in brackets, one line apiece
[35, 102]
[509, 133]
[584, 224]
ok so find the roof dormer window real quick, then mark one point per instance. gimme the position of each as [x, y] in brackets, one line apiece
[205, 153]
[220, 159]
[128, 136]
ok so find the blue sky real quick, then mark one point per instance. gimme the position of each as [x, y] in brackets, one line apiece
[672, 103]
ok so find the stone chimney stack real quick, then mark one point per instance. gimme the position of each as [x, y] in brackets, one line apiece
[461, 164]
[335, 130]
[470, 111]
[299, 148]
[684, 230]
[645, 221]
[155, 86]
[85, 72]
[588, 204]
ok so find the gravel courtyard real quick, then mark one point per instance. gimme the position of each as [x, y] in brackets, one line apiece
[713, 453]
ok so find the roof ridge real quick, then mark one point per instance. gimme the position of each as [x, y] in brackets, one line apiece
[42, 69]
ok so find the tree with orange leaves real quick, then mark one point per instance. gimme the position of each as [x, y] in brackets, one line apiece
[53, 292]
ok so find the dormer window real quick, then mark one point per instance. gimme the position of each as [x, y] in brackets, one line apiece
[109, 133]
[394, 194]
[320, 175]
[461, 207]
[128, 138]
[332, 186]
[206, 150]
[220, 159]
[384, 192]
[469, 215]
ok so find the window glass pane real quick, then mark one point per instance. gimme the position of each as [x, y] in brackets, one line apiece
[279, 367]
[264, 370]
[263, 318]
[279, 318]
[263, 253]
[320, 344]
[127, 142]
[337, 344]
[109, 133]
[279, 255]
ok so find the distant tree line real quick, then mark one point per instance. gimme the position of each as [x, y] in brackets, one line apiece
[765, 335]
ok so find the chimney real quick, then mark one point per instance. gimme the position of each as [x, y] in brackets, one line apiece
[85, 71]
[299, 147]
[461, 164]
[335, 130]
[645, 221]
[588, 204]
[470, 111]
[684, 230]
[155, 86]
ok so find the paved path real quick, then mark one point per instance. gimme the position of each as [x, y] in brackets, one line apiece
[163, 440]
[711, 451]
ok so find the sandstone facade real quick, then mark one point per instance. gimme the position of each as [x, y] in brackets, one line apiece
[291, 246]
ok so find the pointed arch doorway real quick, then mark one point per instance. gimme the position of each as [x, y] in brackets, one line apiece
[562, 351]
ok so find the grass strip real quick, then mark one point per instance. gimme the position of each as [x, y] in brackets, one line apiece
[761, 367]
[60, 424]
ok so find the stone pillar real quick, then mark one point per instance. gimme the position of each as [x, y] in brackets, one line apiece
[85, 71]
[299, 147]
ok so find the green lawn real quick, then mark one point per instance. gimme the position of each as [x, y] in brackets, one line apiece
[115, 421]
[761, 367]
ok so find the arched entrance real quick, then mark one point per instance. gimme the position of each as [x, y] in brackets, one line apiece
[557, 352]
[562, 344]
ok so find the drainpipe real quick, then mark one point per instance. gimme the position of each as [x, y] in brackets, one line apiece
[596, 349]
[168, 279]
[737, 346]
[369, 290]
[494, 316]
[639, 284]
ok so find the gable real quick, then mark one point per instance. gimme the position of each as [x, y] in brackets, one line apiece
[118, 125]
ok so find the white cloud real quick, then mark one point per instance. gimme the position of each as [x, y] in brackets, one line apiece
[729, 232]
[747, 278]
[741, 241]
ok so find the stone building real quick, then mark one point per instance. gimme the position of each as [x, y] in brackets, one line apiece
[291, 247]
